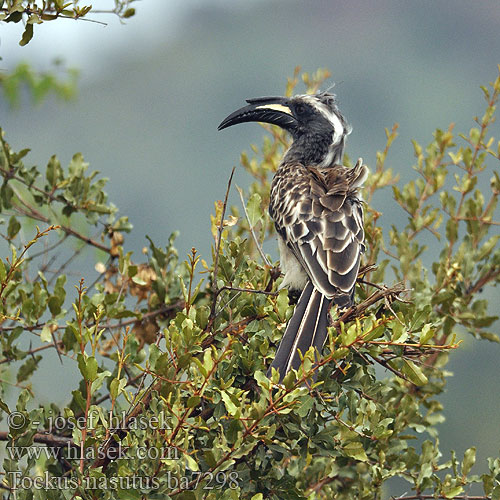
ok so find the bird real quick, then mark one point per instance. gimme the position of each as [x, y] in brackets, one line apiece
[317, 209]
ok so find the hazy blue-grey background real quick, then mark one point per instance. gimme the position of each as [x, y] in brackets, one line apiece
[153, 91]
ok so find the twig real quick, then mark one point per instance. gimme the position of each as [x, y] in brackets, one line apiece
[217, 251]
[48, 439]
[385, 364]
[47, 249]
[66, 263]
[357, 310]
[231, 329]
[35, 214]
[31, 351]
[481, 282]
[151, 314]
[248, 290]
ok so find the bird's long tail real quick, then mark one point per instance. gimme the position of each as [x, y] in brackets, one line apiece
[307, 327]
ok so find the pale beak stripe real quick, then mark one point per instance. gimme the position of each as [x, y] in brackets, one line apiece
[276, 107]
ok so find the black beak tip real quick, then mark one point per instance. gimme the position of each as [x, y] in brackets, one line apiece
[233, 119]
[260, 109]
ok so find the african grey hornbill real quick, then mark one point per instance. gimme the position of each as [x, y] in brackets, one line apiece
[317, 212]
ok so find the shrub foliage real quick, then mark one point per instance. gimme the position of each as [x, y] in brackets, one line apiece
[171, 398]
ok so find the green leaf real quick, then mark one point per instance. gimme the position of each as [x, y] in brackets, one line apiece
[4, 407]
[261, 379]
[234, 431]
[375, 333]
[129, 13]
[492, 337]
[486, 249]
[54, 304]
[452, 491]
[304, 407]
[128, 494]
[426, 334]
[88, 367]
[210, 458]
[495, 494]
[79, 400]
[414, 373]
[139, 281]
[99, 380]
[13, 228]
[349, 336]
[254, 208]
[355, 450]
[282, 303]
[3, 272]
[451, 230]
[15, 17]
[187, 495]
[469, 460]
[54, 171]
[230, 406]
[46, 334]
[193, 401]
[191, 463]
[92, 368]
[341, 352]
[27, 368]
[116, 387]
[27, 35]
[208, 362]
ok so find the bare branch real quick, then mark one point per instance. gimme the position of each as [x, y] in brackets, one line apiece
[217, 251]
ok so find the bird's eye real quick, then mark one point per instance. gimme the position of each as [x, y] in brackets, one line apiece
[300, 109]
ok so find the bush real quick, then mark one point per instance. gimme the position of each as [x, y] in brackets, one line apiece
[173, 401]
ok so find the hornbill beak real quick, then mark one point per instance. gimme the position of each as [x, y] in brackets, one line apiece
[274, 110]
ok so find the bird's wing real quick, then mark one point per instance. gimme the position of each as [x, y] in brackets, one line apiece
[320, 216]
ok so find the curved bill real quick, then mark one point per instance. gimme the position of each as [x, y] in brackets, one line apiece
[274, 110]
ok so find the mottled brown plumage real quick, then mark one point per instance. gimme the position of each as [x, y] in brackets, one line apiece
[319, 215]
[319, 218]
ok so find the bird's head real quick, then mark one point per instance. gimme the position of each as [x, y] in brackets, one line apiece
[314, 121]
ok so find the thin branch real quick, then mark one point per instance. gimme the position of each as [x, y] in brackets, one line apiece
[151, 314]
[248, 290]
[35, 214]
[481, 282]
[217, 251]
[357, 310]
[33, 351]
[252, 232]
[68, 261]
[386, 364]
[48, 439]
[47, 249]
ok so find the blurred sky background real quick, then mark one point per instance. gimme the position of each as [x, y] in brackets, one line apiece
[153, 91]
